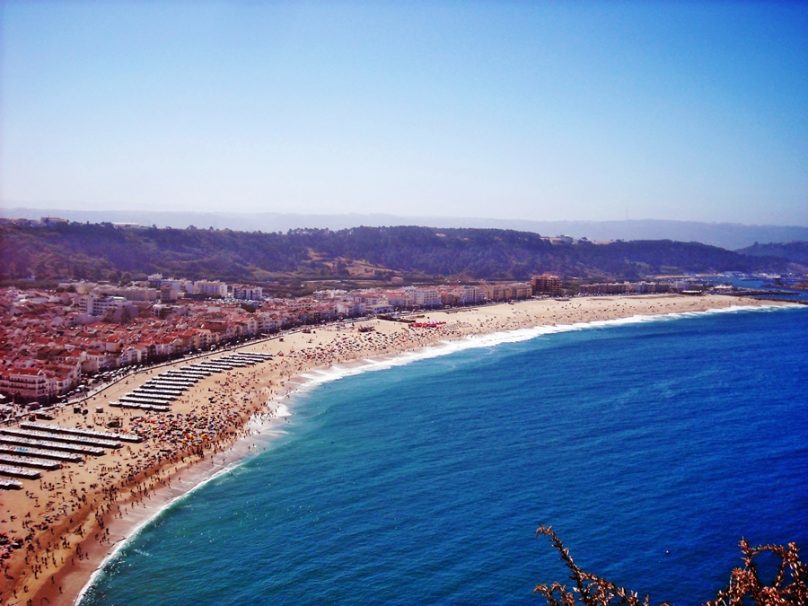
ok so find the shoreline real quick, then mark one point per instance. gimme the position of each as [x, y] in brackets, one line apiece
[295, 370]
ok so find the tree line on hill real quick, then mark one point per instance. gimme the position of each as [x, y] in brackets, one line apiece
[103, 251]
[796, 252]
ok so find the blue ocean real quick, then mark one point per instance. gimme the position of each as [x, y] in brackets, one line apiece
[650, 447]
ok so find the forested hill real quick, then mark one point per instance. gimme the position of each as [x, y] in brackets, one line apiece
[793, 251]
[104, 251]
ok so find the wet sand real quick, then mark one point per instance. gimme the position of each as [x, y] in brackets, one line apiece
[73, 518]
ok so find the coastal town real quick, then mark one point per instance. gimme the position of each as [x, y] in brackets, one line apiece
[110, 392]
[57, 343]
[117, 399]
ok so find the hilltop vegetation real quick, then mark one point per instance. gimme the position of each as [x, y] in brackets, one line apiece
[731, 236]
[107, 252]
[796, 252]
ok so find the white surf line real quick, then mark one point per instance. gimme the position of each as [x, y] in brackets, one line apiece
[313, 378]
[145, 522]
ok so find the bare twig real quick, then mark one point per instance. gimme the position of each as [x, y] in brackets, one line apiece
[789, 587]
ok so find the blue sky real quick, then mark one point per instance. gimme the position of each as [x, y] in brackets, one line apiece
[523, 110]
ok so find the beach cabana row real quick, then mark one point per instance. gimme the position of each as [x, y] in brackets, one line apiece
[29, 462]
[18, 472]
[229, 361]
[251, 355]
[177, 389]
[171, 384]
[136, 399]
[174, 377]
[256, 355]
[182, 379]
[157, 393]
[46, 445]
[195, 370]
[70, 439]
[154, 394]
[181, 376]
[143, 400]
[251, 360]
[64, 457]
[173, 390]
[219, 365]
[180, 388]
[136, 406]
[90, 433]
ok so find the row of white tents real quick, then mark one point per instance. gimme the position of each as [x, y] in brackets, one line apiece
[28, 450]
[160, 391]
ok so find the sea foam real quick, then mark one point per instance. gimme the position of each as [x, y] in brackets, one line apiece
[314, 378]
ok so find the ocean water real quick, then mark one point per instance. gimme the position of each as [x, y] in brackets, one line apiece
[651, 448]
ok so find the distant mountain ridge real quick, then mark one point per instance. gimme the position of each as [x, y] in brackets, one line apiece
[793, 251]
[731, 236]
[410, 253]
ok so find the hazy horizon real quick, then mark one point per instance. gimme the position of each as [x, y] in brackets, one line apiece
[581, 111]
[15, 209]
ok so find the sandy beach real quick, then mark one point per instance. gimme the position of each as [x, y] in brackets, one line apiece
[71, 519]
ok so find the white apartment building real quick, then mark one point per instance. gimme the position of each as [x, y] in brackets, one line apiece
[211, 288]
[248, 293]
[98, 306]
[427, 297]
